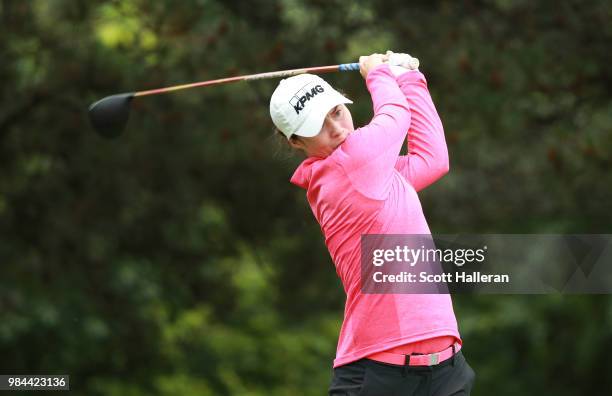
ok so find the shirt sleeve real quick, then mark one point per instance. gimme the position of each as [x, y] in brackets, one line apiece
[427, 158]
[370, 153]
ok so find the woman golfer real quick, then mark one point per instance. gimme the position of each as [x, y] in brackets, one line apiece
[356, 184]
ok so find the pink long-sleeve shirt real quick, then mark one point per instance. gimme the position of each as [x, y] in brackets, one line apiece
[366, 187]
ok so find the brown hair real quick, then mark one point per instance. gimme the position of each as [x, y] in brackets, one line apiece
[283, 148]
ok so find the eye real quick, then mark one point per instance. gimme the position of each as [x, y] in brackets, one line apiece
[338, 111]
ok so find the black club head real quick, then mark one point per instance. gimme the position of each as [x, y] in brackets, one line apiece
[109, 115]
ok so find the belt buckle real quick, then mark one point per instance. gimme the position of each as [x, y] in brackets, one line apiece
[433, 359]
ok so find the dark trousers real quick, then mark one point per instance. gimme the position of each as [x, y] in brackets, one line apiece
[367, 377]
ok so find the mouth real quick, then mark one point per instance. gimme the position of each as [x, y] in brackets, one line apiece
[340, 141]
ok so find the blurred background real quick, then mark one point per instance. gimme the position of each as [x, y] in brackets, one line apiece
[179, 260]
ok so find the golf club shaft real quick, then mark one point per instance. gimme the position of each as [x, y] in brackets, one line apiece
[251, 77]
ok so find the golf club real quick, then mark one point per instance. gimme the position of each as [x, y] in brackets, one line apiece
[109, 115]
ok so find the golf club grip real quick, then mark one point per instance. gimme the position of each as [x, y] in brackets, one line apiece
[348, 67]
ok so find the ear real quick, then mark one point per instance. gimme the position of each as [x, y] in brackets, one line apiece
[296, 143]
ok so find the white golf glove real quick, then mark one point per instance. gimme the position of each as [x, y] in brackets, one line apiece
[400, 63]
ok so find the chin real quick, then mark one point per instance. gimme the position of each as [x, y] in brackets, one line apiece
[340, 142]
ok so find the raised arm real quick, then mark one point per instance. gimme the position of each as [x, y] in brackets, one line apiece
[370, 153]
[427, 158]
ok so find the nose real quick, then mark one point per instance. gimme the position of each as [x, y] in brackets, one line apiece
[335, 129]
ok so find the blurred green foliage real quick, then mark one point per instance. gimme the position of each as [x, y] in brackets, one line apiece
[179, 259]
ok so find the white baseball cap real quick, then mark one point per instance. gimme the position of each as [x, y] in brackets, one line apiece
[300, 103]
